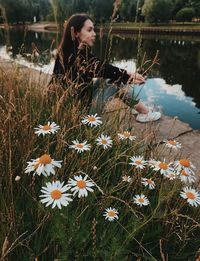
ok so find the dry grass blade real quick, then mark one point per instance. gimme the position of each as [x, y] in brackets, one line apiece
[13, 245]
[161, 251]
[4, 248]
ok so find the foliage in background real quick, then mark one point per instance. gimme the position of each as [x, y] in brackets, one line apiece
[24, 11]
[157, 11]
[185, 14]
[130, 10]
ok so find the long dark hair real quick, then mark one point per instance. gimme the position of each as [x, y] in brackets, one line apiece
[69, 42]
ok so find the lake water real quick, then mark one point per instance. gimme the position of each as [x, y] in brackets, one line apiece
[173, 85]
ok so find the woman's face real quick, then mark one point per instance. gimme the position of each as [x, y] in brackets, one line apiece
[87, 34]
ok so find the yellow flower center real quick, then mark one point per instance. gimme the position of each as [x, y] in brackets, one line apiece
[104, 141]
[184, 173]
[91, 118]
[126, 178]
[56, 194]
[190, 195]
[163, 165]
[184, 163]
[127, 134]
[111, 213]
[138, 162]
[141, 200]
[44, 159]
[81, 184]
[149, 181]
[79, 146]
[172, 142]
[46, 127]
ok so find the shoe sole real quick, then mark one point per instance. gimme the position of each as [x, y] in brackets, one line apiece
[145, 120]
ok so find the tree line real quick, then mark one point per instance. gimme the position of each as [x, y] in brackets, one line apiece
[151, 11]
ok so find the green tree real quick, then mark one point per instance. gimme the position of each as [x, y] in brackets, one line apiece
[101, 10]
[156, 11]
[196, 5]
[24, 10]
[178, 5]
[185, 14]
[128, 10]
[17, 11]
[44, 9]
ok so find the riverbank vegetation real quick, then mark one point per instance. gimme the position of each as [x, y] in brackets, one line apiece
[153, 11]
[83, 187]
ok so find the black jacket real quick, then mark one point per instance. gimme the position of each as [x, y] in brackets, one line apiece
[84, 66]
[80, 69]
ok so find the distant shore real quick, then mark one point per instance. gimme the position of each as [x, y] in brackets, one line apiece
[184, 30]
[126, 28]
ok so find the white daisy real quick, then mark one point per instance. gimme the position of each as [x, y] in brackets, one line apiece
[44, 165]
[141, 200]
[172, 144]
[54, 194]
[152, 163]
[163, 167]
[191, 195]
[126, 135]
[127, 178]
[80, 185]
[138, 162]
[171, 175]
[187, 176]
[47, 129]
[80, 146]
[92, 120]
[148, 182]
[111, 214]
[104, 141]
[184, 164]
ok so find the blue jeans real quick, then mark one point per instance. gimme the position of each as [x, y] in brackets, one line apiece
[104, 91]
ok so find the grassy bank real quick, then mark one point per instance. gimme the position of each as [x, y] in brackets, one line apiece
[51, 26]
[166, 26]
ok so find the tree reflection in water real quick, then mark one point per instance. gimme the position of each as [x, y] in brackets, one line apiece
[179, 64]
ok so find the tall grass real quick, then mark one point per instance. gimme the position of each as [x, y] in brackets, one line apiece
[167, 229]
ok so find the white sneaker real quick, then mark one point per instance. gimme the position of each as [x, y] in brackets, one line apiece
[150, 116]
[133, 111]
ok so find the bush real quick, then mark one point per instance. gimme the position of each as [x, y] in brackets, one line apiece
[185, 14]
[157, 11]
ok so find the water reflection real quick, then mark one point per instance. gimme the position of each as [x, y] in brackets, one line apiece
[172, 99]
[173, 84]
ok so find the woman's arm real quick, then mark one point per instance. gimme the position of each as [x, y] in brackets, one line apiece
[97, 68]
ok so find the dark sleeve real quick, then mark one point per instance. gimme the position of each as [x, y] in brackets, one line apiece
[114, 73]
[58, 67]
[58, 76]
[97, 68]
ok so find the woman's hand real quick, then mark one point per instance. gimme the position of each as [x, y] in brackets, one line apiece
[136, 78]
